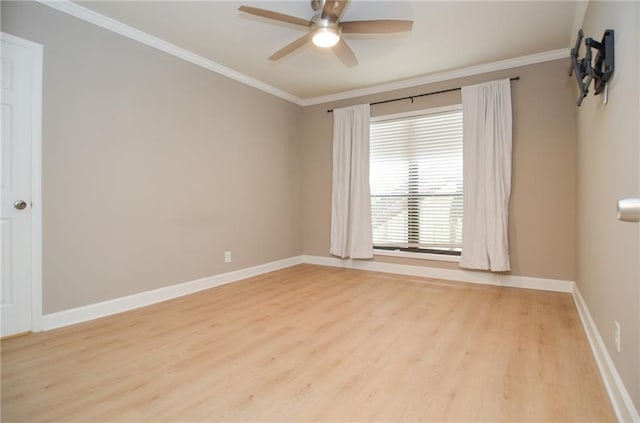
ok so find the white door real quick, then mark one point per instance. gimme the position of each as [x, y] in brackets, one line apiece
[20, 132]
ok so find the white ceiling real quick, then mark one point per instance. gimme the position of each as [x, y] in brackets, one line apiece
[446, 35]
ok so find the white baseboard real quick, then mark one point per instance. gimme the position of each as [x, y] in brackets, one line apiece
[620, 399]
[130, 302]
[459, 275]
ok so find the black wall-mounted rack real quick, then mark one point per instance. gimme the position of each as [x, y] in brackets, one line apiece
[587, 71]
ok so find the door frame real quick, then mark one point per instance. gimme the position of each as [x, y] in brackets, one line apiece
[36, 51]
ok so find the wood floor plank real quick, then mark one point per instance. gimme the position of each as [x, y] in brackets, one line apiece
[313, 343]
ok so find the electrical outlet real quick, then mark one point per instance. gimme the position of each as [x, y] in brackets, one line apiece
[227, 256]
[616, 335]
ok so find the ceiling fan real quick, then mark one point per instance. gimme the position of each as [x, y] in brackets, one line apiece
[325, 28]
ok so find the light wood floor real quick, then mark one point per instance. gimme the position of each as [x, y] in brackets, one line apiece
[312, 343]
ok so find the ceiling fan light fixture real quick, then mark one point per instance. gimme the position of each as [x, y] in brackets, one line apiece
[326, 27]
[325, 37]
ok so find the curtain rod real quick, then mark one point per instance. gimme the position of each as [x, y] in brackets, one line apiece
[411, 97]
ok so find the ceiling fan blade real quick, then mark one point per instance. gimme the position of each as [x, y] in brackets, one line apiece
[333, 9]
[269, 14]
[383, 26]
[344, 53]
[291, 47]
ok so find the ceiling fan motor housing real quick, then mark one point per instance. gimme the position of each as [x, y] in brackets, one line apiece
[318, 23]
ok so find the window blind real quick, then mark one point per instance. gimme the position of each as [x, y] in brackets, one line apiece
[416, 181]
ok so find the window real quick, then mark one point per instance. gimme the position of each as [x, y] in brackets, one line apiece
[416, 181]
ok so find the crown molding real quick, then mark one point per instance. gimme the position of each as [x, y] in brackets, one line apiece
[75, 10]
[87, 15]
[442, 76]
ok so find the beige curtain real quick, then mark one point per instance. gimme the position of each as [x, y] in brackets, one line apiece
[487, 130]
[351, 232]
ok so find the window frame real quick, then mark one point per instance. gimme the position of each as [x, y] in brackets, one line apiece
[412, 252]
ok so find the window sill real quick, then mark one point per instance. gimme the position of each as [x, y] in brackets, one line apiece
[422, 256]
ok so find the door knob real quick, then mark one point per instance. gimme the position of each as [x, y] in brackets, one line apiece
[20, 205]
[629, 209]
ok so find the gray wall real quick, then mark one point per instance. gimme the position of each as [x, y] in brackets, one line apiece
[608, 251]
[152, 166]
[542, 207]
